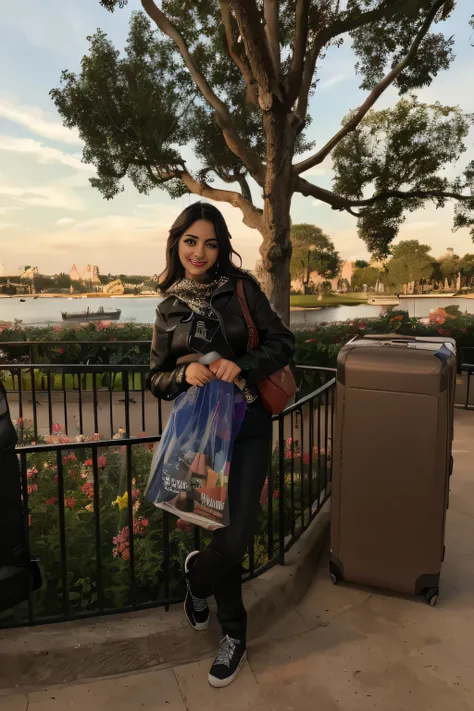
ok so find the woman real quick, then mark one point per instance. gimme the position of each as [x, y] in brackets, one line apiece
[201, 314]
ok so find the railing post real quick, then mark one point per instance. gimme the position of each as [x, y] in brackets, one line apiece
[281, 498]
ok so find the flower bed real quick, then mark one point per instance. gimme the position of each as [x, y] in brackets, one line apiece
[320, 346]
[151, 582]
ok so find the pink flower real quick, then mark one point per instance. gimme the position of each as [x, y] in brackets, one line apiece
[70, 502]
[306, 458]
[30, 473]
[56, 428]
[32, 488]
[102, 462]
[88, 489]
[61, 351]
[183, 526]
[88, 463]
[311, 340]
[57, 329]
[276, 494]
[52, 501]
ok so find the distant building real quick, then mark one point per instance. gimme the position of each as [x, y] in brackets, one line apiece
[345, 275]
[29, 273]
[90, 275]
[114, 287]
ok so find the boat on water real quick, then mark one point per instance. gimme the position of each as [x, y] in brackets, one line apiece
[99, 315]
[383, 301]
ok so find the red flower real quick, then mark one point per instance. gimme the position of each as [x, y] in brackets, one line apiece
[102, 462]
[306, 458]
[32, 488]
[52, 501]
[88, 489]
[88, 463]
[70, 502]
[56, 428]
[61, 351]
[311, 340]
[183, 526]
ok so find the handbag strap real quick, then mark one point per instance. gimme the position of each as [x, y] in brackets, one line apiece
[253, 341]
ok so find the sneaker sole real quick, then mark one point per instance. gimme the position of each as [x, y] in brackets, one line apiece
[189, 557]
[198, 626]
[222, 683]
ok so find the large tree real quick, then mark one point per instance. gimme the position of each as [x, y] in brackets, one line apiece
[411, 261]
[312, 251]
[234, 78]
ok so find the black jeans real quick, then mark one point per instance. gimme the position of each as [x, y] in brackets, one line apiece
[218, 570]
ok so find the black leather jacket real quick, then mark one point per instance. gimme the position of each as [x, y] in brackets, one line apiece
[171, 335]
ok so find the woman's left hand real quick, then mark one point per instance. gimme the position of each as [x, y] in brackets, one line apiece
[225, 370]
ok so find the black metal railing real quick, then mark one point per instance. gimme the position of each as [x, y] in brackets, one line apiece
[103, 548]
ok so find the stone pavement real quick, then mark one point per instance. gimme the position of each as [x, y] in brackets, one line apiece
[341, 648]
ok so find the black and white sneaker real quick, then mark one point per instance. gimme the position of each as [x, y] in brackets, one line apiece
[228, 663]
[195, 608]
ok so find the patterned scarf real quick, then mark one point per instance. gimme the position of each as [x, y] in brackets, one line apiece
[195, 294]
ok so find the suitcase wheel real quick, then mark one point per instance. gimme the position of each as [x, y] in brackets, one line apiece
[335, 573]
[431, 596]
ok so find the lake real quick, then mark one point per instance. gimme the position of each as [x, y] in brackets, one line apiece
[39, 312]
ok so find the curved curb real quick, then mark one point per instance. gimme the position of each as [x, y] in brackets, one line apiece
[119, 644]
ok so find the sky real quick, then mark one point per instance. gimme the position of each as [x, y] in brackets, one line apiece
[51, 217]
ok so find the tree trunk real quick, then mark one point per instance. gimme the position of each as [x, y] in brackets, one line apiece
[276, 246]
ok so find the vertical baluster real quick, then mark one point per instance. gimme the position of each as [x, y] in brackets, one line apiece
[98, 531]
[62, 534]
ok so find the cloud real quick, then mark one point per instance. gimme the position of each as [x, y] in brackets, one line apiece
[44, 154]
[332, 81]
[420, 226]
[43, 197]
[8, 226]
[65, 222]
[37, 122]
[324, 168]
[4, 210]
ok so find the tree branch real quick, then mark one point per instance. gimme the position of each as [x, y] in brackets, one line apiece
[238, 61]
[295, 75]
[249, 21]
[245, 187]
[236, 144]
[252, 216]
[272, 33]
[416, 194]
[338, 27]
[335, 201]
[374, 95]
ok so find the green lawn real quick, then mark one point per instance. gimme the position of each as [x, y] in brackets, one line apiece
[310, 300]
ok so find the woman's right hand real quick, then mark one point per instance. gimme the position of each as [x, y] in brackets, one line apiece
[198, 375]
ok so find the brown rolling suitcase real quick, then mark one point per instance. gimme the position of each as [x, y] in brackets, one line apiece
[392, 462]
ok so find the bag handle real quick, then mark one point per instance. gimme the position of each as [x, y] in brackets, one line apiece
[253, 341]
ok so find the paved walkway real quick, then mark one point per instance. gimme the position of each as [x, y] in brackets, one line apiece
[341, 648]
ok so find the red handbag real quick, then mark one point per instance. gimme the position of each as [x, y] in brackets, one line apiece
[276, 389]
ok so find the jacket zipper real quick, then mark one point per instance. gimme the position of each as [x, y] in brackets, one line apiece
[219, 318]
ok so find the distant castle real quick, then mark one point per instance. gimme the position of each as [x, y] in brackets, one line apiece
[89, 275]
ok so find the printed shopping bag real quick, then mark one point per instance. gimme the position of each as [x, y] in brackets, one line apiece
[190, 469]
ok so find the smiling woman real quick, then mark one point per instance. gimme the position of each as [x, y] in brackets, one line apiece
[199, 250]
[201, 317]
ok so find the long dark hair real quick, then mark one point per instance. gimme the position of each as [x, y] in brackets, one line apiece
[174, 270]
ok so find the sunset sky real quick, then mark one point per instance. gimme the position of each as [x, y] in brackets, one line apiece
[51, 217]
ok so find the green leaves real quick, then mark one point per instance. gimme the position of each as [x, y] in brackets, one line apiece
[312, 251]
[404, 149]
[129, 109]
